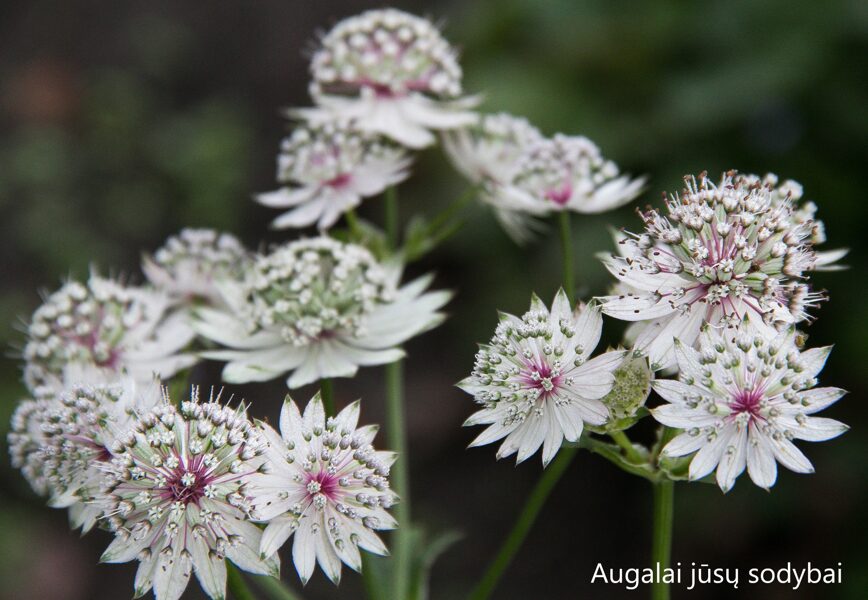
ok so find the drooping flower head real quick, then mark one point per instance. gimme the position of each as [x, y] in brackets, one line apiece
[722, 251]
[178, 498]
[568, 173]
[391, 72]
[741, 400]
[537, 381]
[319, 308]
[488, 153]
[106, 325]
[187, 266]
[328, 169]
[80, 427]
[327, 487]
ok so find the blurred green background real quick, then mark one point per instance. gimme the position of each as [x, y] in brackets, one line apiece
[122, 122]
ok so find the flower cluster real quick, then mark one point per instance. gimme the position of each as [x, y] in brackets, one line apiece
[741, 399]
[537, 381]
[106, 325]
[392, 73]
[177, 497]
[319, 308]
[327, 487]
[188, 265]
[328, 169]
[721, 251]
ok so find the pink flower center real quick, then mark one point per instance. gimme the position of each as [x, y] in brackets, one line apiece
[340, 181]
[187, 484]
[560, 195]
[747, 401]
[322, 483]
[542, 378]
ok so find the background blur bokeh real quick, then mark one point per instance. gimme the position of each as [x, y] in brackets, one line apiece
[124, 121]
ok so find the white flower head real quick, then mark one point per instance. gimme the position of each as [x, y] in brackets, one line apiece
[178, 498]
[319, 308]
[328, 169]
[722, 251]
[27, 438]
[567, 173]
[105, 325]
[327, 487]
[741, 400]
[392, 73]
[537, 381]
[188, 264]
[488, 153]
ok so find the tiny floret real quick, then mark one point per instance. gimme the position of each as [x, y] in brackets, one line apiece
[537, 381]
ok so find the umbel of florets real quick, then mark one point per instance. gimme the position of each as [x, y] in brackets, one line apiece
[26, 440]
[720, 251]
[178, 499]
[188, 264]
[310, 288]
[106, 325]
[385, 52]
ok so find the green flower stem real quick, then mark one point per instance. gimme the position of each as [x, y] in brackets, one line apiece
[567, 254]
[522, 526]
[327, 393]
[626, 445]
[399, 475]
[391, 217]
[274, 588]
[237, 587]
[455, 207]
[352, 220]
[661, 549]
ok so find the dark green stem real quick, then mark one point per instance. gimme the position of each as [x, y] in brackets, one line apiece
[522, 526]
[391, 217]
[327, 393]
[399, 475]
[626, 445]
[236, 584]
[661, 550]
[275, 588]
[569, 281]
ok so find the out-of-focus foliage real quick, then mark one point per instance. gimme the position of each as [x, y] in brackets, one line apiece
[121, 126]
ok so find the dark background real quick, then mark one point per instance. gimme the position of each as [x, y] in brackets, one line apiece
[124, 121]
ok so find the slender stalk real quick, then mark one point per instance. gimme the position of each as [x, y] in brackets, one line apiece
[239, 589]
[352, 220]
[567, 254]
[455, 207]
[391, 217]
[661, 549]
[327, 393]
[522, 526]
[399, 475]
[626, 445]
[275, 588]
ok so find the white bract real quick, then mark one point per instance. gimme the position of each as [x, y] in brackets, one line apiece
[723, 251]
[741, 400]
[178, 499]
[537, 381]
[567, 173]
[326, 486]
[187, 266]
[328, 169]
[391, 73]
[488, 153]
[319, 308]
[106, 325]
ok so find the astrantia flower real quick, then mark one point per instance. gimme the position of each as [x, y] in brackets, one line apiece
[328, 170]
[80, 427]
[391, 73]
[26, 439]
[178, 500]
[488, 154]
[537, 381]
[741, 400]
[327, 487]
[188, 264]
[567, 173]
[106, 325]
[723, 251]
[319, 308]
